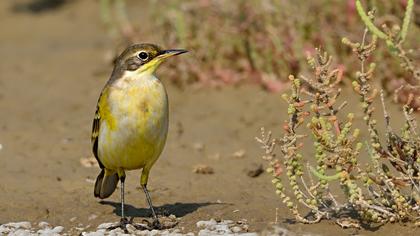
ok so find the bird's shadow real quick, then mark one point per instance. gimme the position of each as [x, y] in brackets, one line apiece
[177, 209]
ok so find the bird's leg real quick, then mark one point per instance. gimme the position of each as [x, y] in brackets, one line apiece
[124, 221]
[122, 199]
[156, 224]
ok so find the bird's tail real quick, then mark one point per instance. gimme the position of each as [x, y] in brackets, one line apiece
[105, 184]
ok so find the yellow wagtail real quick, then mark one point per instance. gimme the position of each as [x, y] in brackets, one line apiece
[131, 121]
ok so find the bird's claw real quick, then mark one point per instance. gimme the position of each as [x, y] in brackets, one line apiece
[155, 224]
[146, 225]
[122, 225]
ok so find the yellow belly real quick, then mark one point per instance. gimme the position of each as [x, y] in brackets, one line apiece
[135, 134]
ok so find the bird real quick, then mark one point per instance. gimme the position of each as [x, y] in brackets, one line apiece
[131, 121]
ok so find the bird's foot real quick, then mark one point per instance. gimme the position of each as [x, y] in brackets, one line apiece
[145, 225]
[122, 225]
[124, 222]
[166, 223]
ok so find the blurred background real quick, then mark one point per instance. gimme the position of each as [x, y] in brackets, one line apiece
[239, 41]
[57, 55]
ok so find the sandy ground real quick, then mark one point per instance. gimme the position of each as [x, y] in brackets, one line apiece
[51, 72]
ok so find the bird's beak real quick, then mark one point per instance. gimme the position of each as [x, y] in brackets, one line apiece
[151, 66]
[172, 52]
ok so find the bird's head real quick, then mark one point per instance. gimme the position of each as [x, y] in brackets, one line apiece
[144, 58]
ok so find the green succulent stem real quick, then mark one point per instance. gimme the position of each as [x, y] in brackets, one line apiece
[407, 19]
[325, 177]
[369, 24]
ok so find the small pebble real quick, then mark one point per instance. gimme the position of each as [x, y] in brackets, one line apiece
[236, 229]
[131, 228]
[89, 162]
[202, 224]
[20, 232]
[105, 225]
[203, 169]
[18, 225]
[239, 154]
[198, 146]
[92, 217]
[48, 231]
[58, 229]
[43, 225]
[254, 170]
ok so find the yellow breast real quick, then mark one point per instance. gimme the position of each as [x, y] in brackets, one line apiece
[134, 122]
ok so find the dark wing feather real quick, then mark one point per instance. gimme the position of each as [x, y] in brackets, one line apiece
[95, 135]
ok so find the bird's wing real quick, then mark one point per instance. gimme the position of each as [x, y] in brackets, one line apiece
[95, 134]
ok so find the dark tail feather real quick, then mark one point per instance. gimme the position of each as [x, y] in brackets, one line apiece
[105, 185]
[98, 183]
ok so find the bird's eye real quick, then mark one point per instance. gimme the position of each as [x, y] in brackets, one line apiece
[143, 56]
